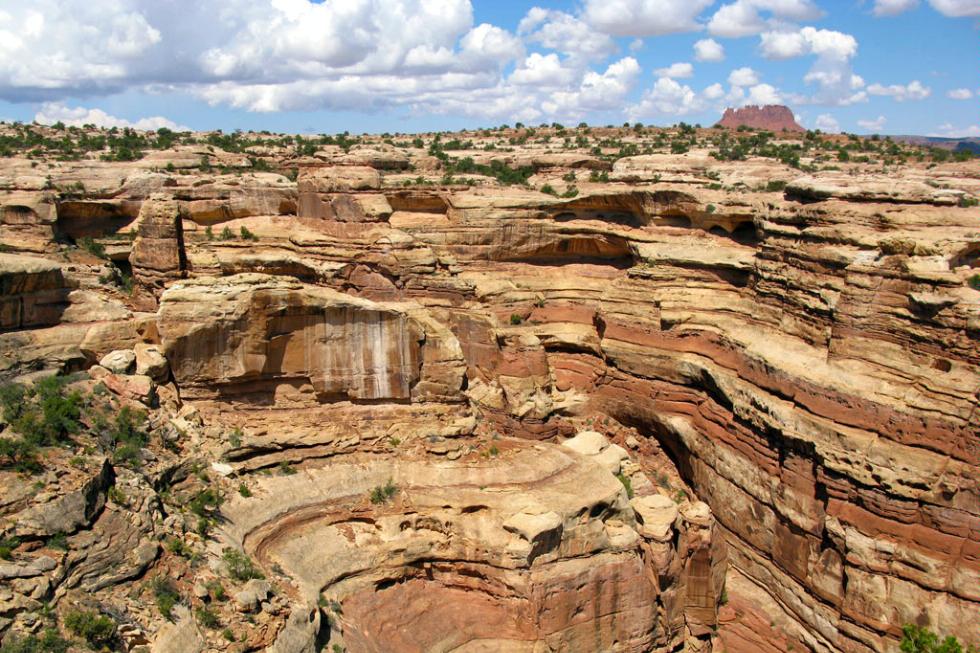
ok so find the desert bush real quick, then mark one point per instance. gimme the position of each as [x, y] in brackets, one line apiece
[50, 641]
[384, 493]
[240, 567]
[98, 631]
[166, 595]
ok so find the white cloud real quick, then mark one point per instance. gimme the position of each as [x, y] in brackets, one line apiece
[808, 40]
[744, 17]
[893, 7]
[956, 8]
[949, 8]
[709, 50]
[947, 130]
[676, 71]
[52, 112]
[828, 123]
[960, 94]
[874, 126]
[837, 85]
[914, 90]
[713, 92]
[666, 97]
[557, 30]
[644, 17]
[597, 92]
[744, 76]
[410, 56]
[763, 94]
[543, 71]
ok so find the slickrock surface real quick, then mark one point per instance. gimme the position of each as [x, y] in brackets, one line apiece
[399, 399]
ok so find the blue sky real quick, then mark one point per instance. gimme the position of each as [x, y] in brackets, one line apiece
[866, 66]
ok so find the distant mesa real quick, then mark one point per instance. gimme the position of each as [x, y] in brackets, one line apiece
[772, 117]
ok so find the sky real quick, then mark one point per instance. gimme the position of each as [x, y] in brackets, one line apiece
[862, 66]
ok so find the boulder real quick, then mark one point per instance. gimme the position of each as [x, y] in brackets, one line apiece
[119, 361]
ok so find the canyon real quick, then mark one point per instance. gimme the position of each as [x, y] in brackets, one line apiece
[532, 390]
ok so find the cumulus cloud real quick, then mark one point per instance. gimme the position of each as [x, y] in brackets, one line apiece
[372, 55]
[893, 7]
[914, 90]
[744, 76]
[676, 71]
[714, 92]
[557, 30]
[645, 17]
[763, 94]
[52, 112]
[828, 123]
[597, 91]
[956, 8]
[875, 125]
[960, 94]
[745, 17]
[542, 71]
[808, 40]
[709, 50]
[666, 97]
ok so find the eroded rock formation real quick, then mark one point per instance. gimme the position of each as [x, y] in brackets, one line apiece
[772, 117]
[704, 405]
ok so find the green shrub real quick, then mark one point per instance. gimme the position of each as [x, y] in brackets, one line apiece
[775, 186]
[166, 595]
[128, 436]
[226, 234]
[228, 634]
[209, 233]
[19, 455]
[967, 202]
[206, 617]
[384, 493]
[7, 546]
[243, 490]
[178, 547]
[548, 189]
[205, 502]
[97, 630]
[44, 415]
[916, 639]
[516, 318]
[216, 590]
[92, 247]
[58, 541]
[240, 566]
[627, 483]
[50, 641]
[974, 282]
[247, 235]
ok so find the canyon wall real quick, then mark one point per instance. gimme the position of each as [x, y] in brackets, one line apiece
[784, 379]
